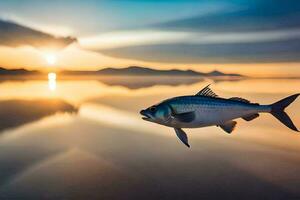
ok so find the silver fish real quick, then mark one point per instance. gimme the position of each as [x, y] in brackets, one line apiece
[207, 109]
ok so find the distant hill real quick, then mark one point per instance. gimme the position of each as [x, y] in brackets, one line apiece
[4, 71]
[128, 71]
[143, 71]
[218, 73]
[146, 71]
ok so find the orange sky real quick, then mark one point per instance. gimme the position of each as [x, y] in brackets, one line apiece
[74, 58]
[230, 36]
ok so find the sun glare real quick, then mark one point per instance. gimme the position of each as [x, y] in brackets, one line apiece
[51, 59]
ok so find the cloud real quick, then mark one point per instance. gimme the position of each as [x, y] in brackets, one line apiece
[150, 37]
[270, 51]
[194, 47]
[259, 31]
[253, 16]
[131, 38]
[15, 35]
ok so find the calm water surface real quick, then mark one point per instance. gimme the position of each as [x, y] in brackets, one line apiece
[84, 139]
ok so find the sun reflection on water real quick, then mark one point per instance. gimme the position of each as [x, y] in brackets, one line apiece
[52, 81]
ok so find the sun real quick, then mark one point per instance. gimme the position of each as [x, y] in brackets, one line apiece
[51, 59]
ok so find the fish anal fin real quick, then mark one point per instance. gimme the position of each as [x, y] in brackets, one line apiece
[239, 99]
[229, 126]
[250, 117]
[182, 136]
[185, 117]
[206, 92]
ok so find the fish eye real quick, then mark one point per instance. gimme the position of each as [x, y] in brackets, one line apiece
[152, 109]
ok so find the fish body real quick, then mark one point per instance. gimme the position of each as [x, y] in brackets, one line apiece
[207, 109]
[210, 111]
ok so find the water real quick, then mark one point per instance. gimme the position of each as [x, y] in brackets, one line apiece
[83, 138]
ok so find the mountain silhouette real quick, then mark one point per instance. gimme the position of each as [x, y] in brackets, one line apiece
[218, 73]
[128, 71]
[4, 71]
[143, 71]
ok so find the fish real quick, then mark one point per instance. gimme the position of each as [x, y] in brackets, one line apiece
[206, 108]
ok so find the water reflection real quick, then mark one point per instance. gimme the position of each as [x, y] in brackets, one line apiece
[107, 152]
[52, 81]
[14, 113]
[146, 82]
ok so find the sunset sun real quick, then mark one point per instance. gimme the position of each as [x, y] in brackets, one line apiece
[51, 59]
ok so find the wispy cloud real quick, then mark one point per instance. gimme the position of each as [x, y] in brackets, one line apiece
[131, 38]
[251, 16]
[177, 31]
[15, 35]
[254, 52]
[50, 28]
[259, 31]
[150, 37]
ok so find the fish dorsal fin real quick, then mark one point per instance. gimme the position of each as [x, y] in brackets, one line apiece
[229, 126]
[206, 92]
[239, 99]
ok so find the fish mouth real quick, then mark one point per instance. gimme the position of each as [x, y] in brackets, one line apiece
[146, 116]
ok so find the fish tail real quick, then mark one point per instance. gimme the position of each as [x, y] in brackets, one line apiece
[277, 110]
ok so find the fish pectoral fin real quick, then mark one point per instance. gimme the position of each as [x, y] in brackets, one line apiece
[185, 117]
[182, 136]
[228, 126]
[250, 117]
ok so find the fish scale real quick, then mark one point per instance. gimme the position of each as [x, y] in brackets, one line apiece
[212, 111]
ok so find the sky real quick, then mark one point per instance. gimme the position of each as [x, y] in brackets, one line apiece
[252, 37]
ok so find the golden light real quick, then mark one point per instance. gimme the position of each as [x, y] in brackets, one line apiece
[52, 81]
[51, 59]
